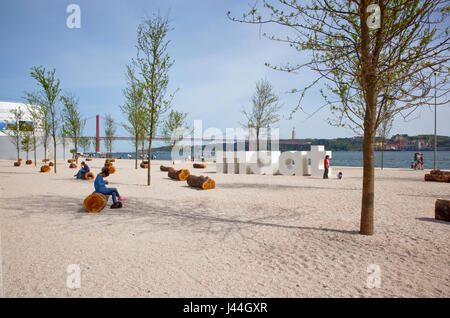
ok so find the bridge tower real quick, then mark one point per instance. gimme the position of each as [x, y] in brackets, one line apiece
[97, 137]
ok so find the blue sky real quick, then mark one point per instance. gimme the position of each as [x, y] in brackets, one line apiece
[217, 62]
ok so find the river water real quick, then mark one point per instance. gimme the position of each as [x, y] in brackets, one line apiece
[392, 159]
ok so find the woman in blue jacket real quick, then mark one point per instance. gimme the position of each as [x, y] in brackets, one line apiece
[100, 187]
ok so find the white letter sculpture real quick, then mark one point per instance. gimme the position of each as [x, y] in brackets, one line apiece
[299, 163]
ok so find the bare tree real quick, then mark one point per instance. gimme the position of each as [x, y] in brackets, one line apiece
[73, 122]
[47, 98]
[153, 64]
[14, 129]
[366, 51]
[110, 132]
[41, 122]
[264, 112]
[174, 128]
[84, 143]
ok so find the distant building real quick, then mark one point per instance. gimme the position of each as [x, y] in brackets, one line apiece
[7, 149]
[293, 134]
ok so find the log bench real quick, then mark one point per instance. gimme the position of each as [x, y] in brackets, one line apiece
[95, 202]
[442, 210]
[201, 182]
[199, 165]
[438, 175]
[180, 175]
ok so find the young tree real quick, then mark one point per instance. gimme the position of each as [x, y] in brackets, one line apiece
[84, 143]
[365, 51]
[41, 122]
[174, 128]
[153, 64]
[48, 98]
[110, 131]
[63, 137]
[73, 122]
[264, 112]
[26, 143]
[32, 110]
[14, 128]
[134, 110]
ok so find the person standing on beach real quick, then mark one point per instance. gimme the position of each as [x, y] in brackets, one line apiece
[326, 165]
[100, 187]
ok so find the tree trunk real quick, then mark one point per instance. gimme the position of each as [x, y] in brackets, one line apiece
[382, 152]
[34, 148]
[64, 149]
[149, 153]
[137, 150]
[18, 148]
[201, 182]
[54, 152]
[76, 149]
[368, 190]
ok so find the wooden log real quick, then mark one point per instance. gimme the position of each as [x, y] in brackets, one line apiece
[95, 202]
[51, 164]
[199, 165]
[88, 159]
[45, 168]
[89, 176]
[29, 162]
[204, 183]
[72, 165]
[144, 165]
[145, 162]
[180, 175]
[437, 177]
[442, 210]
[439, 172]
[17, 163]
[164, 168]
[20, 159]
[112, 160]
[45, 160]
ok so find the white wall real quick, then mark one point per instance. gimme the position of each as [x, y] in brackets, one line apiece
[8, 150]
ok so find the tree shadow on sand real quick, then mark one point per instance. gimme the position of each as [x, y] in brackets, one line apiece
[171, 214]
[432, 220]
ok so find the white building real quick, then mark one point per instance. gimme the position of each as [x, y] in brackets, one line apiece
[8, 150]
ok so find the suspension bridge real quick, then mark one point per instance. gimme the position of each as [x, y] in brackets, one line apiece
[250, 140]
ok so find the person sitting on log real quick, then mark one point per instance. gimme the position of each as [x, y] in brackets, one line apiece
[100, 187]
[84, 169]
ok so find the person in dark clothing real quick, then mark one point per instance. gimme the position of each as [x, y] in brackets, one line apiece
[326, 165]
[84, 169]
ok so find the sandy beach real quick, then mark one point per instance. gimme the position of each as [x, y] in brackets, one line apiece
[252, 236]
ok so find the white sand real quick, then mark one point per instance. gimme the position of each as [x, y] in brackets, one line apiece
[252, 236]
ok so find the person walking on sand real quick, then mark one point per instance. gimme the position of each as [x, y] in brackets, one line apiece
[100, 187]
[82, 172]
[326, 165]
